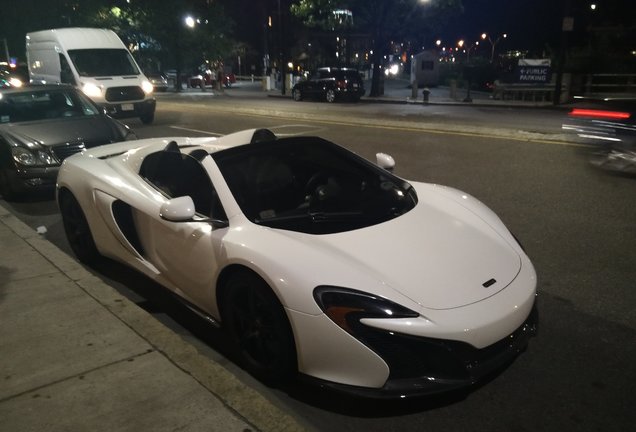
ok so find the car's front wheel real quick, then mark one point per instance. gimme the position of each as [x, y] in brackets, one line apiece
[330, 96]
[297, 95]
[7, 190]
[147, 117]
[258, 326]
[77, 230]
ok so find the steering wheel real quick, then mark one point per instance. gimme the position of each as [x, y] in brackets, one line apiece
[315, 187]
[314, 181]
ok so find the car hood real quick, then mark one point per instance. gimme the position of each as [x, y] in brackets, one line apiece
[92, 131]
[447, 252]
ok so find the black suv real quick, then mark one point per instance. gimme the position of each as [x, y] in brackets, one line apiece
[329, 84]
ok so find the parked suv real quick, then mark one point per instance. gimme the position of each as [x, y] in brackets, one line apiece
[330, 84]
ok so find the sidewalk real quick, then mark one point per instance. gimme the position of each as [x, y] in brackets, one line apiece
[75, 355]
[397, 91]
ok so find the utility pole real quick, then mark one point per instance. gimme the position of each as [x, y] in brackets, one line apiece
[281, 50]
[566, 28]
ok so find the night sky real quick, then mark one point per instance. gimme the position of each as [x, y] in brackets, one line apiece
[529, 24]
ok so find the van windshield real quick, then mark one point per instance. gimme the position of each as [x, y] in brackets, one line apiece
[103, 62]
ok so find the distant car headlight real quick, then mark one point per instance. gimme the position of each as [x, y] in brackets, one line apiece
[147, 87]
[346, 307]
[392, 70]
[91, 90]
[32, 156]
[15, 82]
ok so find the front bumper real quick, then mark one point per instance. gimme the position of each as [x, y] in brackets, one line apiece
[129, 110]
[424, 366]
[24, 181]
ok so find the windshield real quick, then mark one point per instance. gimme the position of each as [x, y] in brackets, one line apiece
[310, 185]
[33, 105]
[103, 62]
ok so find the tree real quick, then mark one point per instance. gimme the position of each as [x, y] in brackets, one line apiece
[382, 20]
[160, 25]
[149, 27]
[26, 16]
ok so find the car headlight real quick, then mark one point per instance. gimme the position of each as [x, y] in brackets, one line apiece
[91, 90]
[15, 82]
[346, 307]
[32, 156]
[146, 87]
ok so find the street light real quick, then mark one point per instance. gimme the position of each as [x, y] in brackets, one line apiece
[494, 43]
[189, 21]
[462, 45]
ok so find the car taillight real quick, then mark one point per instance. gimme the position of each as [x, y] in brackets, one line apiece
[341, 84]
[613, 115]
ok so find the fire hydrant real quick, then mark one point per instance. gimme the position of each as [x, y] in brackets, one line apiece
[425, 95]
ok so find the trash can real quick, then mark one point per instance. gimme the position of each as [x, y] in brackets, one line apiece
[426, 93]
[267, 83]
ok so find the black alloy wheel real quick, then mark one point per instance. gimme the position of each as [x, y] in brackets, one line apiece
[258, 326]
[77, 230]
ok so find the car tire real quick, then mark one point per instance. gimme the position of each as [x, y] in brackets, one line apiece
[297, 95]
[330, 95]
[6, 189]
[258, 328]
[77, 230]
[148, 117]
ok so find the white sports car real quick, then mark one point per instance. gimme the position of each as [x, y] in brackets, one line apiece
[313, 259]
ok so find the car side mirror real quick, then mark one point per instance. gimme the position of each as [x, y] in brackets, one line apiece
[385, 161]
[178, 209]
[182, 209]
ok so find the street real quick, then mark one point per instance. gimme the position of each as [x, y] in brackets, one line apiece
[575, 222]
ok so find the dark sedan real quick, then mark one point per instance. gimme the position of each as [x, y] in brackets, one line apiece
[40, 126]
[330, 84]
[158, 81]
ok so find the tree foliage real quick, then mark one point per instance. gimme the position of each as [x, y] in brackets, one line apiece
[154, 28]
[159, 25]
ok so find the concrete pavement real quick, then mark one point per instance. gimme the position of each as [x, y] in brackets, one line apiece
[75, 355]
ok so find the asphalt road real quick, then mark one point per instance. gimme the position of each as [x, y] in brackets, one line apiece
[576, 223]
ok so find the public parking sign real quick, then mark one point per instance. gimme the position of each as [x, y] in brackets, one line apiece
[533, 71]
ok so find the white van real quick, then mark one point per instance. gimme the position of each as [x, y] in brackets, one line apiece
[97, 62]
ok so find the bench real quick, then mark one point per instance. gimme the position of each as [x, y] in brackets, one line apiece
[524, 92]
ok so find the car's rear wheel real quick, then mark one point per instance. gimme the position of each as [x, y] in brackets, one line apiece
[258, 326]
[297, 95]
[77, 229]
[330, 96]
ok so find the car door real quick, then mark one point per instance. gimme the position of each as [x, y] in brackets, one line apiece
[187, 254]
[314, 85]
